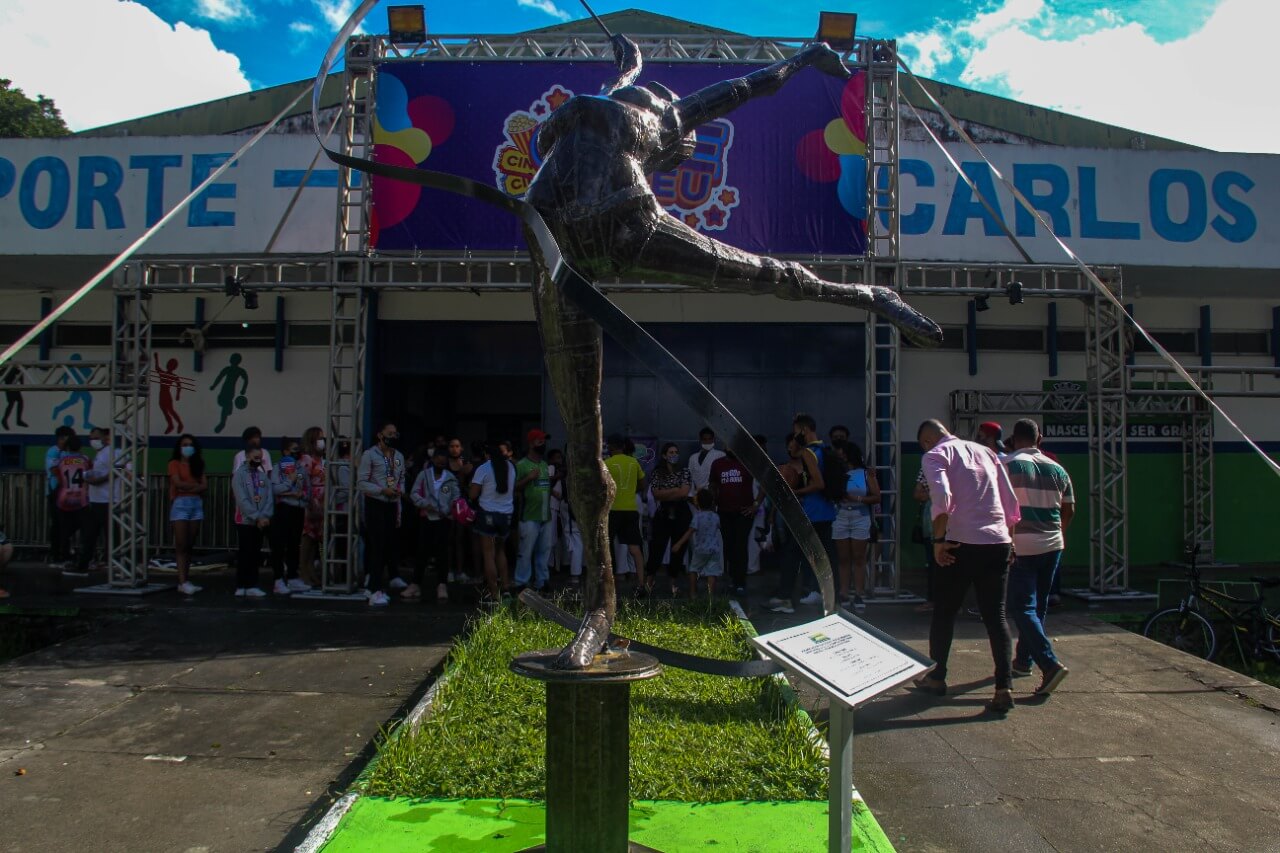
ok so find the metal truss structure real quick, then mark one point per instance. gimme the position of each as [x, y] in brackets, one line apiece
[351, 272]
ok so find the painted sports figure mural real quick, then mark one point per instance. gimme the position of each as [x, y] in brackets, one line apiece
[593, 192]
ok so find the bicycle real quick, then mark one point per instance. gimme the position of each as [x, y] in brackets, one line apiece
[1185, 627]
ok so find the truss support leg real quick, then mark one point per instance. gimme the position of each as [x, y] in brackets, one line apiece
[340, 563]
[130, 431]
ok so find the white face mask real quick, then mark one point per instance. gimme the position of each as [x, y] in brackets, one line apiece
[319, 444]
[673, 458]
[95, 443]
[711, 445]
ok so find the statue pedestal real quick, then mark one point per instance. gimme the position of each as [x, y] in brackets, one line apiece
[588, 749]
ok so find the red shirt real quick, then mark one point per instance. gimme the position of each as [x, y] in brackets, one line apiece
[734, 487]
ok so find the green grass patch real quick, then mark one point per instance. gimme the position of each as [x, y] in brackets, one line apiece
[694, 738]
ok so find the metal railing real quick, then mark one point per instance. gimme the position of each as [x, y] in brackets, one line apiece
[24, 513]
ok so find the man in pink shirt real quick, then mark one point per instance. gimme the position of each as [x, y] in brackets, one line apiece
[974, 512]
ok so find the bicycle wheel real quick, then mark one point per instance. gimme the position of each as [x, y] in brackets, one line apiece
[1273, 641]
[1185, 630]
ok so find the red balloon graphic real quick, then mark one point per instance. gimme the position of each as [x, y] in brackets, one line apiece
[433, 115]
[817, 161]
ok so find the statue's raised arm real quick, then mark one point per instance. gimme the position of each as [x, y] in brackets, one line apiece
[720, 99]
[626, 54]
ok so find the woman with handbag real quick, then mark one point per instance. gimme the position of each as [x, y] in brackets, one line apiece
[672, 486]
[434, 492]
[853, 527]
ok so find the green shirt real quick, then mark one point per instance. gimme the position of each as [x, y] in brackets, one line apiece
[537, 492]
[626, 473]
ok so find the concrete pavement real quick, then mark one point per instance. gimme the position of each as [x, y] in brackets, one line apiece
[203, 726]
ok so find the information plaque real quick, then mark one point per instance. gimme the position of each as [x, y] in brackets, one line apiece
[851, 661]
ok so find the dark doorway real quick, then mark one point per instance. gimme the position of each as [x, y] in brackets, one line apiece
[474, 408]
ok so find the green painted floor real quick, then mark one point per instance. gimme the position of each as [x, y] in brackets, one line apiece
[494, 826]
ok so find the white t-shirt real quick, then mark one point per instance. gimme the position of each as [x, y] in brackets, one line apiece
[700, 467]
[490, 500]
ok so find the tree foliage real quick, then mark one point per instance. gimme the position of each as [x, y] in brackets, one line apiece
[22, 117]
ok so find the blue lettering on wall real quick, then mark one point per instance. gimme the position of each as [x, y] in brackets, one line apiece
[89, 192]
[8, 175]
[920, 219]
[1090, 224]
[1190, 229]
[59, 192]
[1052, 203]
[155, 164]
[964, 206]
[200, 216]
[1245, 223]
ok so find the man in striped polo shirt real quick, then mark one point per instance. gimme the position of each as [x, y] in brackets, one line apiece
[1048, 504]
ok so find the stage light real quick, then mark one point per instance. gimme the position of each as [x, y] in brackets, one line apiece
[231, 285]
[250, 300]
[837, 29]
[407, 24]
[981, 303]
[1015, 292]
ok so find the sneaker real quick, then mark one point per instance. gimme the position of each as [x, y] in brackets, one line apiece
[453, 577]
[188, 588]
[298, 585]
[379, 599]
[740, 591]
[240, 592]
[812, 598]
[779, 606]
[281, 588]
[397, 583]
[859, 606]
[253, 592]
[1051, 680]
[1021, 670]
[442, 593]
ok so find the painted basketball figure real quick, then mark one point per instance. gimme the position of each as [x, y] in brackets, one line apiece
[593, 192]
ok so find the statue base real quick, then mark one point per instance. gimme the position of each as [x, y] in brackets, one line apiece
[588, 749]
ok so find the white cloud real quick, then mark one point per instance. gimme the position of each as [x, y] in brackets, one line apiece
[545, 6]
[224, 11]
[302, 28]
[336, 12]
[133, 65]
[1201, 89]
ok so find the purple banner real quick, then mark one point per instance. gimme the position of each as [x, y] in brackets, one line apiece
[783, 174]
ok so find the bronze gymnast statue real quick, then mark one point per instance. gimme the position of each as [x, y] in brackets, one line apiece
[593, 193]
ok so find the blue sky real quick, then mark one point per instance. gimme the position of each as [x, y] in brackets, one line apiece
[1144, 64]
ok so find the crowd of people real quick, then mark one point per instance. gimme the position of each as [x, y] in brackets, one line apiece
[993, 519]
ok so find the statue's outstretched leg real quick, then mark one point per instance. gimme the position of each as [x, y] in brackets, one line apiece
[675, 253]
[574, 353]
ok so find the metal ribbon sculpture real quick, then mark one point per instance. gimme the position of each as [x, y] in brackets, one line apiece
[592, 196]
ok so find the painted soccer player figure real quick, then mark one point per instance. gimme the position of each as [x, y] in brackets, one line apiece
[593, 191]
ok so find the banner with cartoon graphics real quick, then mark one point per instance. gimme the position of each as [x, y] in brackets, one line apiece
[782, 174]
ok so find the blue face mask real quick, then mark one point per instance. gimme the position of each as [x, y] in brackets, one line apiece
[188, 450]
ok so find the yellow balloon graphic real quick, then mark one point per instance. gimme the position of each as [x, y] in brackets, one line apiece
[841, 140]
[412, 140]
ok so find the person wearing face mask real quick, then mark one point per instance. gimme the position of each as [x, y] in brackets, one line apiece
[187, 485]
[97, 513]
[255, 499]
[433, 493]
[251, 437]
[533, 484]
[380, 481]
[672, 487]
[311, 466]
[460, 541]
[290, 487]
[701, 460]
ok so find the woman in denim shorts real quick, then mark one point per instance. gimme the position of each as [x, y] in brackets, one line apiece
[852, 528]
[187, 485]
[493, 486]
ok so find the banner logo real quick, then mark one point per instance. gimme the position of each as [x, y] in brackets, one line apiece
[697, 192]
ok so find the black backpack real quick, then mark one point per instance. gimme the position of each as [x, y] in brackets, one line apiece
[833, 474]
